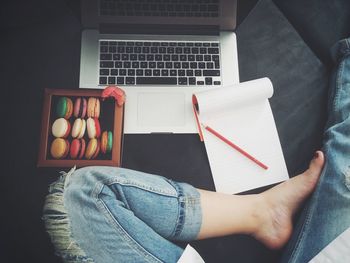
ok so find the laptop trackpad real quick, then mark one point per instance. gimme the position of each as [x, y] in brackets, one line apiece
[161, 109]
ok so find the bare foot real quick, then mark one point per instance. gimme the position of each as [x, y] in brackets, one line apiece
[281, 202]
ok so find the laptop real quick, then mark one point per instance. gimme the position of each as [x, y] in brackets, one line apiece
[159, 52]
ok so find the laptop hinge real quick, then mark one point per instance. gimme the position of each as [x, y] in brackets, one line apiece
[159, 29]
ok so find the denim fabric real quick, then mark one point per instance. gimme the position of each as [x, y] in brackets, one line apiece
[328, 212]
[120, 215]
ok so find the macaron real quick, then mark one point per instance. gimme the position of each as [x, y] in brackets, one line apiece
[93, 107]
[93, 128]
[80, 106]
[78, 129]
[64, 108]
[106, 142]
[61, 128]
[59, 148]
[77, 148]
[92, 149]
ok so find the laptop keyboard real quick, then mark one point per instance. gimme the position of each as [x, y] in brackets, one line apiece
[163, 8]
[159, 63]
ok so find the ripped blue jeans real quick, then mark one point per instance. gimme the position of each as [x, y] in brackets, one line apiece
[327, 213]
[105, 215]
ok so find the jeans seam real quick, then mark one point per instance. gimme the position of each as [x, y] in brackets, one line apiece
[126, 182]
[101, 205]
[338, 84]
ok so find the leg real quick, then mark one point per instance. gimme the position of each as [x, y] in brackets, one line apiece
[119, 215]
[328, 213]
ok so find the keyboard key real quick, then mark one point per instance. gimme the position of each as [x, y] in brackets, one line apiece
[165, 72]
[103, 80]
[116, 56]
[135, 64]
[210, 65]
[217, 82]
[142, 57]
[189, 73]
[111, 80]
[104, 42]
[137, 50]
[193, 65]
[200, 82]
[169, 64]
[158, 57]
[198, 73]
[118, 64]
[112, 49]
[139, 72]
[150, 57]
[214, 44]
[206, 44]
[181, 72]
[207, 58]
[211, 72]
[126, 64]
[182, 81]
[122, 72]
[195, 50]
[154, 50]
[121, 49]
[185, 65]
[191, 58]
[143, 64]
[105, 56]
[129, 49]
[203, 50]
[145, 50]
[213, 50]
[170, 50]
[178, 50]
[177, 65]
[152, 64]
[156, 72]
[192, 81]
[201, 65]
[208, 81]
[160, 64]
[129, 80]
[131, 72]
[104, 72]
[175, 57]
[103, 49]
[148, 72]
[199, 57]
[187, 50]
[166, 57]
[114, 72]
[106, 64]
[173, 72]
[183, 57]
[153, 80]
[120, 80]
[125, 56]
[133, 57]
[162, 50]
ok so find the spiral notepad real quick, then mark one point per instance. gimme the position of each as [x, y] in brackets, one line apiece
[243, 115]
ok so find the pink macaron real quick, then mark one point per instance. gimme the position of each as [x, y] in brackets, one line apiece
[80, 106]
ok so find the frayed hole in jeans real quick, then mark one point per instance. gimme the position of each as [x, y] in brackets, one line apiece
[347, 178]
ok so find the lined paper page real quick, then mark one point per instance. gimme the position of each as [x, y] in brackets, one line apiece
[248, 122]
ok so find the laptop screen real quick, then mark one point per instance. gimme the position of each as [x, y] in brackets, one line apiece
[219, 13]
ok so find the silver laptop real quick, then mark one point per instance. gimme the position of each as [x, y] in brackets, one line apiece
[160, 52]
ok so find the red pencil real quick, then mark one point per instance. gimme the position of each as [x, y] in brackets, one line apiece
[235, 146]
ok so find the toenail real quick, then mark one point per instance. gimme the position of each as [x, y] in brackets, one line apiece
[316, 155]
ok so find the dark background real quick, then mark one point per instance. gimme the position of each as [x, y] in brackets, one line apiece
[40, 48]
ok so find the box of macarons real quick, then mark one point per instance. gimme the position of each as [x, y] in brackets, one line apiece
[82, 127]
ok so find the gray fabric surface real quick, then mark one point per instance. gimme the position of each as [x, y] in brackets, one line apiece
[269, 46]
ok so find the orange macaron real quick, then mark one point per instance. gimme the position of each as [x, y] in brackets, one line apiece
[59, 148]
[106, 142]
[92, 149]
[93, 107]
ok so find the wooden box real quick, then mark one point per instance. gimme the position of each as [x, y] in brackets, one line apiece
[111, 118]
